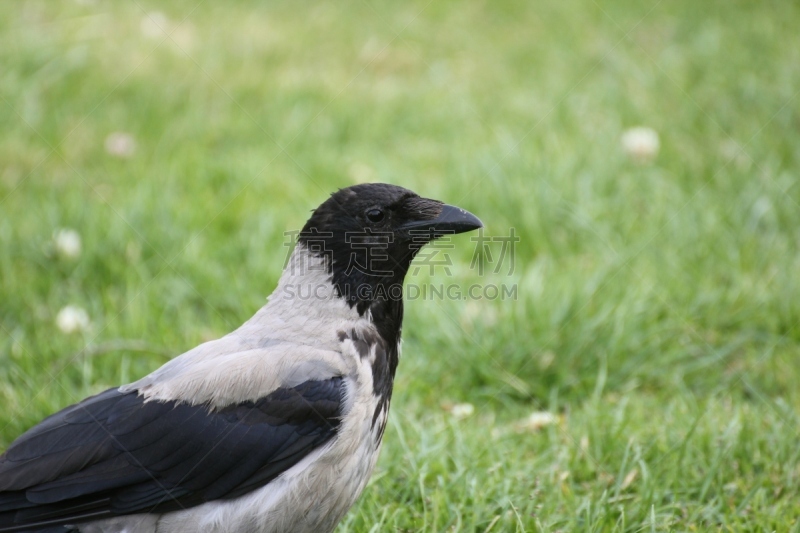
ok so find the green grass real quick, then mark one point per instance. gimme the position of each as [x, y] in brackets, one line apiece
[659, 304]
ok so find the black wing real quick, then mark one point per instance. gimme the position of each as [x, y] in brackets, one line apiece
[114, 454]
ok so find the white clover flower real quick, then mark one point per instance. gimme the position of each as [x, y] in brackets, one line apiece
[72, 319]
[462, 410]
[641, 143]
[68, 243]
[120, 144]
[536, 421]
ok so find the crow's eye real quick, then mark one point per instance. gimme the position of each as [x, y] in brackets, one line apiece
[375, 215]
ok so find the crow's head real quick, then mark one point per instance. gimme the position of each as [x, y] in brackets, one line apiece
[368, 235]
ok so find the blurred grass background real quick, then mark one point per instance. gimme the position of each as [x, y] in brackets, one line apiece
[659, 303]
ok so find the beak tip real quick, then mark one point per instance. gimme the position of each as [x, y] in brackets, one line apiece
[460, 219]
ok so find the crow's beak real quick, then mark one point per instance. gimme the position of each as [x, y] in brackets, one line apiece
[451, 220]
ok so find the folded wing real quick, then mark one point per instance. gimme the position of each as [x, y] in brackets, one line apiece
[115, 454]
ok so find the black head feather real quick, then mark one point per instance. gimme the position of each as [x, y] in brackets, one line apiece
[368, 235]
[360, 233]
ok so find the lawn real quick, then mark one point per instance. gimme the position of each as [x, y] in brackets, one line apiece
[644, 375]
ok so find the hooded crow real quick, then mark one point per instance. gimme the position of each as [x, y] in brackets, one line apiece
[275, 427]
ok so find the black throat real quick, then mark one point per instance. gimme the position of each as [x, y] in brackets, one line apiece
[367, 272]
[369, 276]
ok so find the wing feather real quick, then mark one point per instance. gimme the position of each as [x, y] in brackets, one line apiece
[116, 453]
